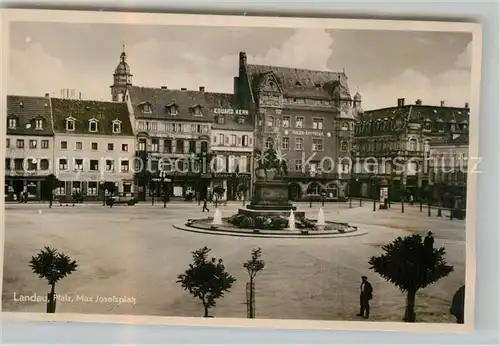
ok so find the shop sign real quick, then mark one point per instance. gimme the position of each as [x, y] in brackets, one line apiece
[230, 111]
[308, 133]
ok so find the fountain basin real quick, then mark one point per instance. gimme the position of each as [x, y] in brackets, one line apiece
[271, 212]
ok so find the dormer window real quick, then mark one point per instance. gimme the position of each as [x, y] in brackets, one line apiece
[93, 125]
[440, 125]
[12, 123]
[146, 108]
[117, 126]
[241, 120]
[39, 124]
[464, 125]
[172, 109]
[70, 124]
[196, 110]
[220, 119]
[452, 125]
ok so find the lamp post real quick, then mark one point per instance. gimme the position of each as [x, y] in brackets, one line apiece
[419, 190]
[353, 153]
[403, 192]
[374, 178]
[323, 194]
[163, 177]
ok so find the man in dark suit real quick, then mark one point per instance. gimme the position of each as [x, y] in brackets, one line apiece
[366, 294]
[429, 242]
[457, 305]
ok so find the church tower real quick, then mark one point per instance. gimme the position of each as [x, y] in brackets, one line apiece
[122, 79]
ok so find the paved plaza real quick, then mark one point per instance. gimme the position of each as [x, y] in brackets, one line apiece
[135, 252]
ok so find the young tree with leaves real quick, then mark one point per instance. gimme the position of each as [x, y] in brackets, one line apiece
[53, 266]
[408, 265]
[253, 266]
[206, 279]
[51, 183]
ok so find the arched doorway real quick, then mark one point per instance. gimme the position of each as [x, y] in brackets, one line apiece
[294, 192]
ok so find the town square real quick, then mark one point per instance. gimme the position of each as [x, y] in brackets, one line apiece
[135, 252]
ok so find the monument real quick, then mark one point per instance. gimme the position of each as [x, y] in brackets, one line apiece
[270, 197]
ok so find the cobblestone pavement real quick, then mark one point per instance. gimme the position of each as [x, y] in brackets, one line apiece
[135, 252]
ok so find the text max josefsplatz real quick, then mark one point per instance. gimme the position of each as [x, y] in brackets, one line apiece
[77, 298]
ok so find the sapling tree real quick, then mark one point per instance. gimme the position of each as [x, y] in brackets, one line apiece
[206, 279]
[253, 266]
[53, 266]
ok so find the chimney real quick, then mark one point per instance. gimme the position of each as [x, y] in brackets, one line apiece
[243, 59]
[467, 105]
[183, 89]
[235, 85]
[164, 87]
[401, 102]
[202, 89]
[418, 102]
[47, 94]
[442, 103]
[79, 96]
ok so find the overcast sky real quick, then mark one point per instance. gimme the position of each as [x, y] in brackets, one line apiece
[382, 65]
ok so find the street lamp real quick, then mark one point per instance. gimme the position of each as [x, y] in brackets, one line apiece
[163, 177]
[403, 192]
[419, 190]
[374, 178]
[353, 153]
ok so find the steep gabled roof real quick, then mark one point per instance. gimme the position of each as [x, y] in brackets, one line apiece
[184, 99]
[84, 110]
[457, 139]
[26, 109]
[418, 113]
[300, 82]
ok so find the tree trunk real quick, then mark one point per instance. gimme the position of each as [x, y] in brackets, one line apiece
[410, 306]
[206, 310]
[250, 303]
[51, 299]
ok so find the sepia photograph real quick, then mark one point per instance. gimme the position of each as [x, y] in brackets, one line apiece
[239, 171]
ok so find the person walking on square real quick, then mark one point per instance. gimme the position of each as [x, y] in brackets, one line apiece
[429, 242]
[366, 294]
[205, 207]
[457, 305]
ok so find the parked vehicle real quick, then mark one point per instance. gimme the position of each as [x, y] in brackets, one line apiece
[122, 198]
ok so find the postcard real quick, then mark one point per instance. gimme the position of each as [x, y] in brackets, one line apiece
[212, 170]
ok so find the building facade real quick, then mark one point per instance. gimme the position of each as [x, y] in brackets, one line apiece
[232, 151]
[94, 145]
[308, 117]
[393, 145]
[29, 145]
[448, 169]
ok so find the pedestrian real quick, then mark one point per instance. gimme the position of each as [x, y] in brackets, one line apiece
[411, 199]
[457, 305]
[366, 294]
[205, 207]
[429, 242]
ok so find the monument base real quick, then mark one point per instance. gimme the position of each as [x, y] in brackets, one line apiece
[253, 213]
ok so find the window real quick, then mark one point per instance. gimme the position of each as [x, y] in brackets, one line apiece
[63, 164]
[299, 122]
[298, 165]
[285, 143]
[172, 110]
[70, 125]
[233, 139]
[244, 140]
[192, 146]
[197, 111]
[204, 146]
[220, 119]
[146, 108]
[92, 126]
[117, 127]
[142, 144]
[318, 123]
[110, 165]
[61, 188]
[78, 164]
[94, 146]
[78, 145]
[124, 147]
[299, 143]
[286, 122]
[269, 143]
[179, 146]
[124, 166]
[221, 139]
[64, 145]
[19, 164]
[94, 165]
[44, 144]
[7, 142]
[413, 145]
[317, 144]
[167, 146]
[7, 164]
[12, 123]
[39, 124]
[344, 127]
[32, 165]
[33, 143]
[270, 122]
[92, 188]
[111, 147]
[241, 120]
[20, 143]
[155, 145]
[127, 188]
[343, 146]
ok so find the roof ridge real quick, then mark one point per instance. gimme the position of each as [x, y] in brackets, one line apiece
[296, 68]
[184, 91]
